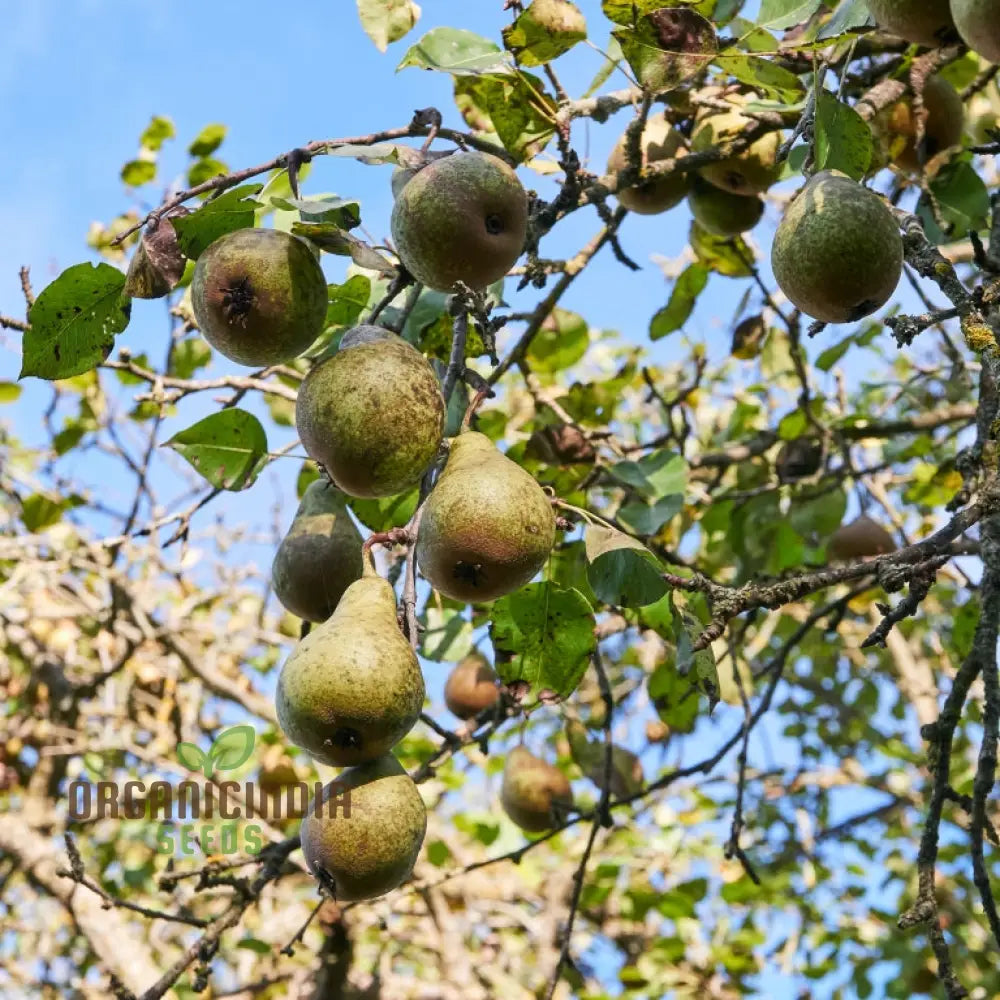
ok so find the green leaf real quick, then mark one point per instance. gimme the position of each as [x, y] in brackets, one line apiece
[208, 140]
[204, 170]
[659, 474]
[447, 635]
[190, 756]
[9, 392]
[560, 343]
[962, 197]
[519, 108]
[728, 255]
[135, 173]
[255, 945]
[333, 239]
[534, 44]
[648, 518]
[230, 211]
[543, 635]
[348, 301]
[786, 13]
[688, 286]
[762, 74]
[386, 21]
[232, 747]
[622, 571]
[226, 448]
[673, 697]
[625, 11]
[667, 46]
[188, 356]
[386, 512]
[456, 51]
[157, 132]
[698, 666]
[39, 511]
[843, 138]
[74, 321]
[344, 213]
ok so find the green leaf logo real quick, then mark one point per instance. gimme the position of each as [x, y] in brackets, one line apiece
[231, 748]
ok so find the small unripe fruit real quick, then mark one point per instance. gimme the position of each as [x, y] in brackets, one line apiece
[925, 22]
[259, 296]
[978, 22]
[660, 141]
[837, 253]
[723, 213]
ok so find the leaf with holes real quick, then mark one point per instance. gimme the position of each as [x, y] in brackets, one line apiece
[227, 448]
[543, 635]
[74, 321]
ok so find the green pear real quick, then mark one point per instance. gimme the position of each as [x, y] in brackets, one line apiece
[925, 22]
[462, 217]
[895, 128]
[352, 688]
[859, 539]
[487, 526]
[372, 414]
[660, 141]
[837, 253]
[259, 296]
[723, 213]
[978, 22]
[536, 795]
[750, 172]
[471, 687]
[320, 557]
[362, 838]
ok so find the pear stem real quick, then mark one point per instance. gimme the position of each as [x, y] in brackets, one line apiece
[587, 515]
[394, 536]
[477, 401]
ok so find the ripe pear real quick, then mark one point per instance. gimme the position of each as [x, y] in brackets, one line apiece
[723, 213]
[925, 22]
[978, 22]
[896, 127]
[320, 557]
[462, 217]
[259, 296]
[535, 795]
[750, 172]
[487, 526]
[372, 414]
[352, 688]
[859, 539]
[660, 141]
[362, 839]
[837, 253]
[471, 687]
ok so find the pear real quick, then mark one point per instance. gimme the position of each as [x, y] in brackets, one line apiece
[319, 557]
[352, 688]
[896, 127]
[750, 172]
[978, 22]
[798, 458]
[859, 539]
[259, 296]
[925, 22]
[471, 687]
[401, 176]
[372, 414]
[362, 838]
[535, 795]
[487, 526]
[837, 253]
[723, 213]
[660, 141]
[462, 217]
